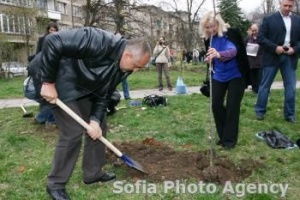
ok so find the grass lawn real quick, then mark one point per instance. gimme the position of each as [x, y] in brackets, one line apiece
[193, 75]
[27, 149]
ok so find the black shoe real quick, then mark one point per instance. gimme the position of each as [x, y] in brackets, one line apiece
[127, 98]
[291, 120]
[260, 117]
[228, 147]
[105, 178]
[58, 194]
[160, 89]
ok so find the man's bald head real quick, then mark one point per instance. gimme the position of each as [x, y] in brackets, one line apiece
[254, 29]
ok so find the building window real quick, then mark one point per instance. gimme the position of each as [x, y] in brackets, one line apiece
[15, 24]
[63, 27]
[5, 23]
[17, 2]
[60, 7]
[77, 11]
[41, 4]
[165, 25]
[6, 1]
[158, 24]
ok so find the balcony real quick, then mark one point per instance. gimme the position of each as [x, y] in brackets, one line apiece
[55, 15]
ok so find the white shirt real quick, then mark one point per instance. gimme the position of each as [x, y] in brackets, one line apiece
[288, 23]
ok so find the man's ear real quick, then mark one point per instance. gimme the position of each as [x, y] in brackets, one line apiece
[127, 53]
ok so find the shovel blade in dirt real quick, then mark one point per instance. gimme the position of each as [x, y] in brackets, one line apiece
[133, 164]
[130, 162]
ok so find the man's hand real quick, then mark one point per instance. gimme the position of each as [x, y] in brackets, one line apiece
[280, 50]
[291, 51]
[95, 132]
[48, 91]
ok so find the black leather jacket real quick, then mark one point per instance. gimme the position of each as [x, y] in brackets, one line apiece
[81, 62]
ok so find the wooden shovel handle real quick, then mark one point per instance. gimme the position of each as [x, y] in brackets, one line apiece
[86, 126]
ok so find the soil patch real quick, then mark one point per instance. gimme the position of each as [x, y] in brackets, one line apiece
[164, 163]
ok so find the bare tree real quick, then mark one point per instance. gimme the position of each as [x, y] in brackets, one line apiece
[93, 11]
[188, 20]
[134, 19]
[6, 49]
[297, 7]
[269, 6]
[116, 15]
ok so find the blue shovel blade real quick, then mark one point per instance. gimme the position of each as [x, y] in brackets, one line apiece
[132, 163]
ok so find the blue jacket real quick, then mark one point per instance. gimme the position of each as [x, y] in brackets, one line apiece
[272, 34]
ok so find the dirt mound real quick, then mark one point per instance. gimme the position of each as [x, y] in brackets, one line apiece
[164, 163]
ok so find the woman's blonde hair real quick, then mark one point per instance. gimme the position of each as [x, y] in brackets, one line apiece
[211, 18]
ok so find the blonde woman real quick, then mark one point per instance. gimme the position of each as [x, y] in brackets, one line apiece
[227, 54]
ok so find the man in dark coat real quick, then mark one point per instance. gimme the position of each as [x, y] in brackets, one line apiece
[82, 67]
[279, 35]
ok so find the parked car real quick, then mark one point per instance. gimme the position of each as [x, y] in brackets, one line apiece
[13, 69]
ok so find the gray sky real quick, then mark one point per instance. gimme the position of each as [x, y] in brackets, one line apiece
[245, 5]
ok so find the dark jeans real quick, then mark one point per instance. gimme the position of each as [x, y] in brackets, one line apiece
[288, 74]
[125, 89]
[227, 115]
[45, 116]
[69, 145]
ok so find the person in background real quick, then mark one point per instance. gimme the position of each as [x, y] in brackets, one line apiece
[162, 53]
[124, 81]
[45, 116]
[82, 67]
[195, 56]
[230, 65]
[125, 89]
[163, 56]
[202, 55]
[255, 53]
[279, 35]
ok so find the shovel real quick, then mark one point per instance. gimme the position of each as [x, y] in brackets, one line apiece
[125, 158]
[26, 114]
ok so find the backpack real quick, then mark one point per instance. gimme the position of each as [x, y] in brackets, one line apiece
[154, 100]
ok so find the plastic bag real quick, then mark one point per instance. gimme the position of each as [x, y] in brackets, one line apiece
[180, 86]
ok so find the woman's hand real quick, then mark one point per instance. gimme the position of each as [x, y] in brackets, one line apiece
[212, 53]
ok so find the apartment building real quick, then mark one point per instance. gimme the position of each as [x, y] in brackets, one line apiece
[23, 21]
[144, 21]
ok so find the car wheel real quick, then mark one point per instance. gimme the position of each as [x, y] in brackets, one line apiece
[10, 75]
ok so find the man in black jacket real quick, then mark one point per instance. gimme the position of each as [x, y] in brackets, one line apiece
[279, 35]
[82, 67]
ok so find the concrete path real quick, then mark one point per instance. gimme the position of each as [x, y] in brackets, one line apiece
[135, 94]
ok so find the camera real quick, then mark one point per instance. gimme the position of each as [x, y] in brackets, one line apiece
[285, 48]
